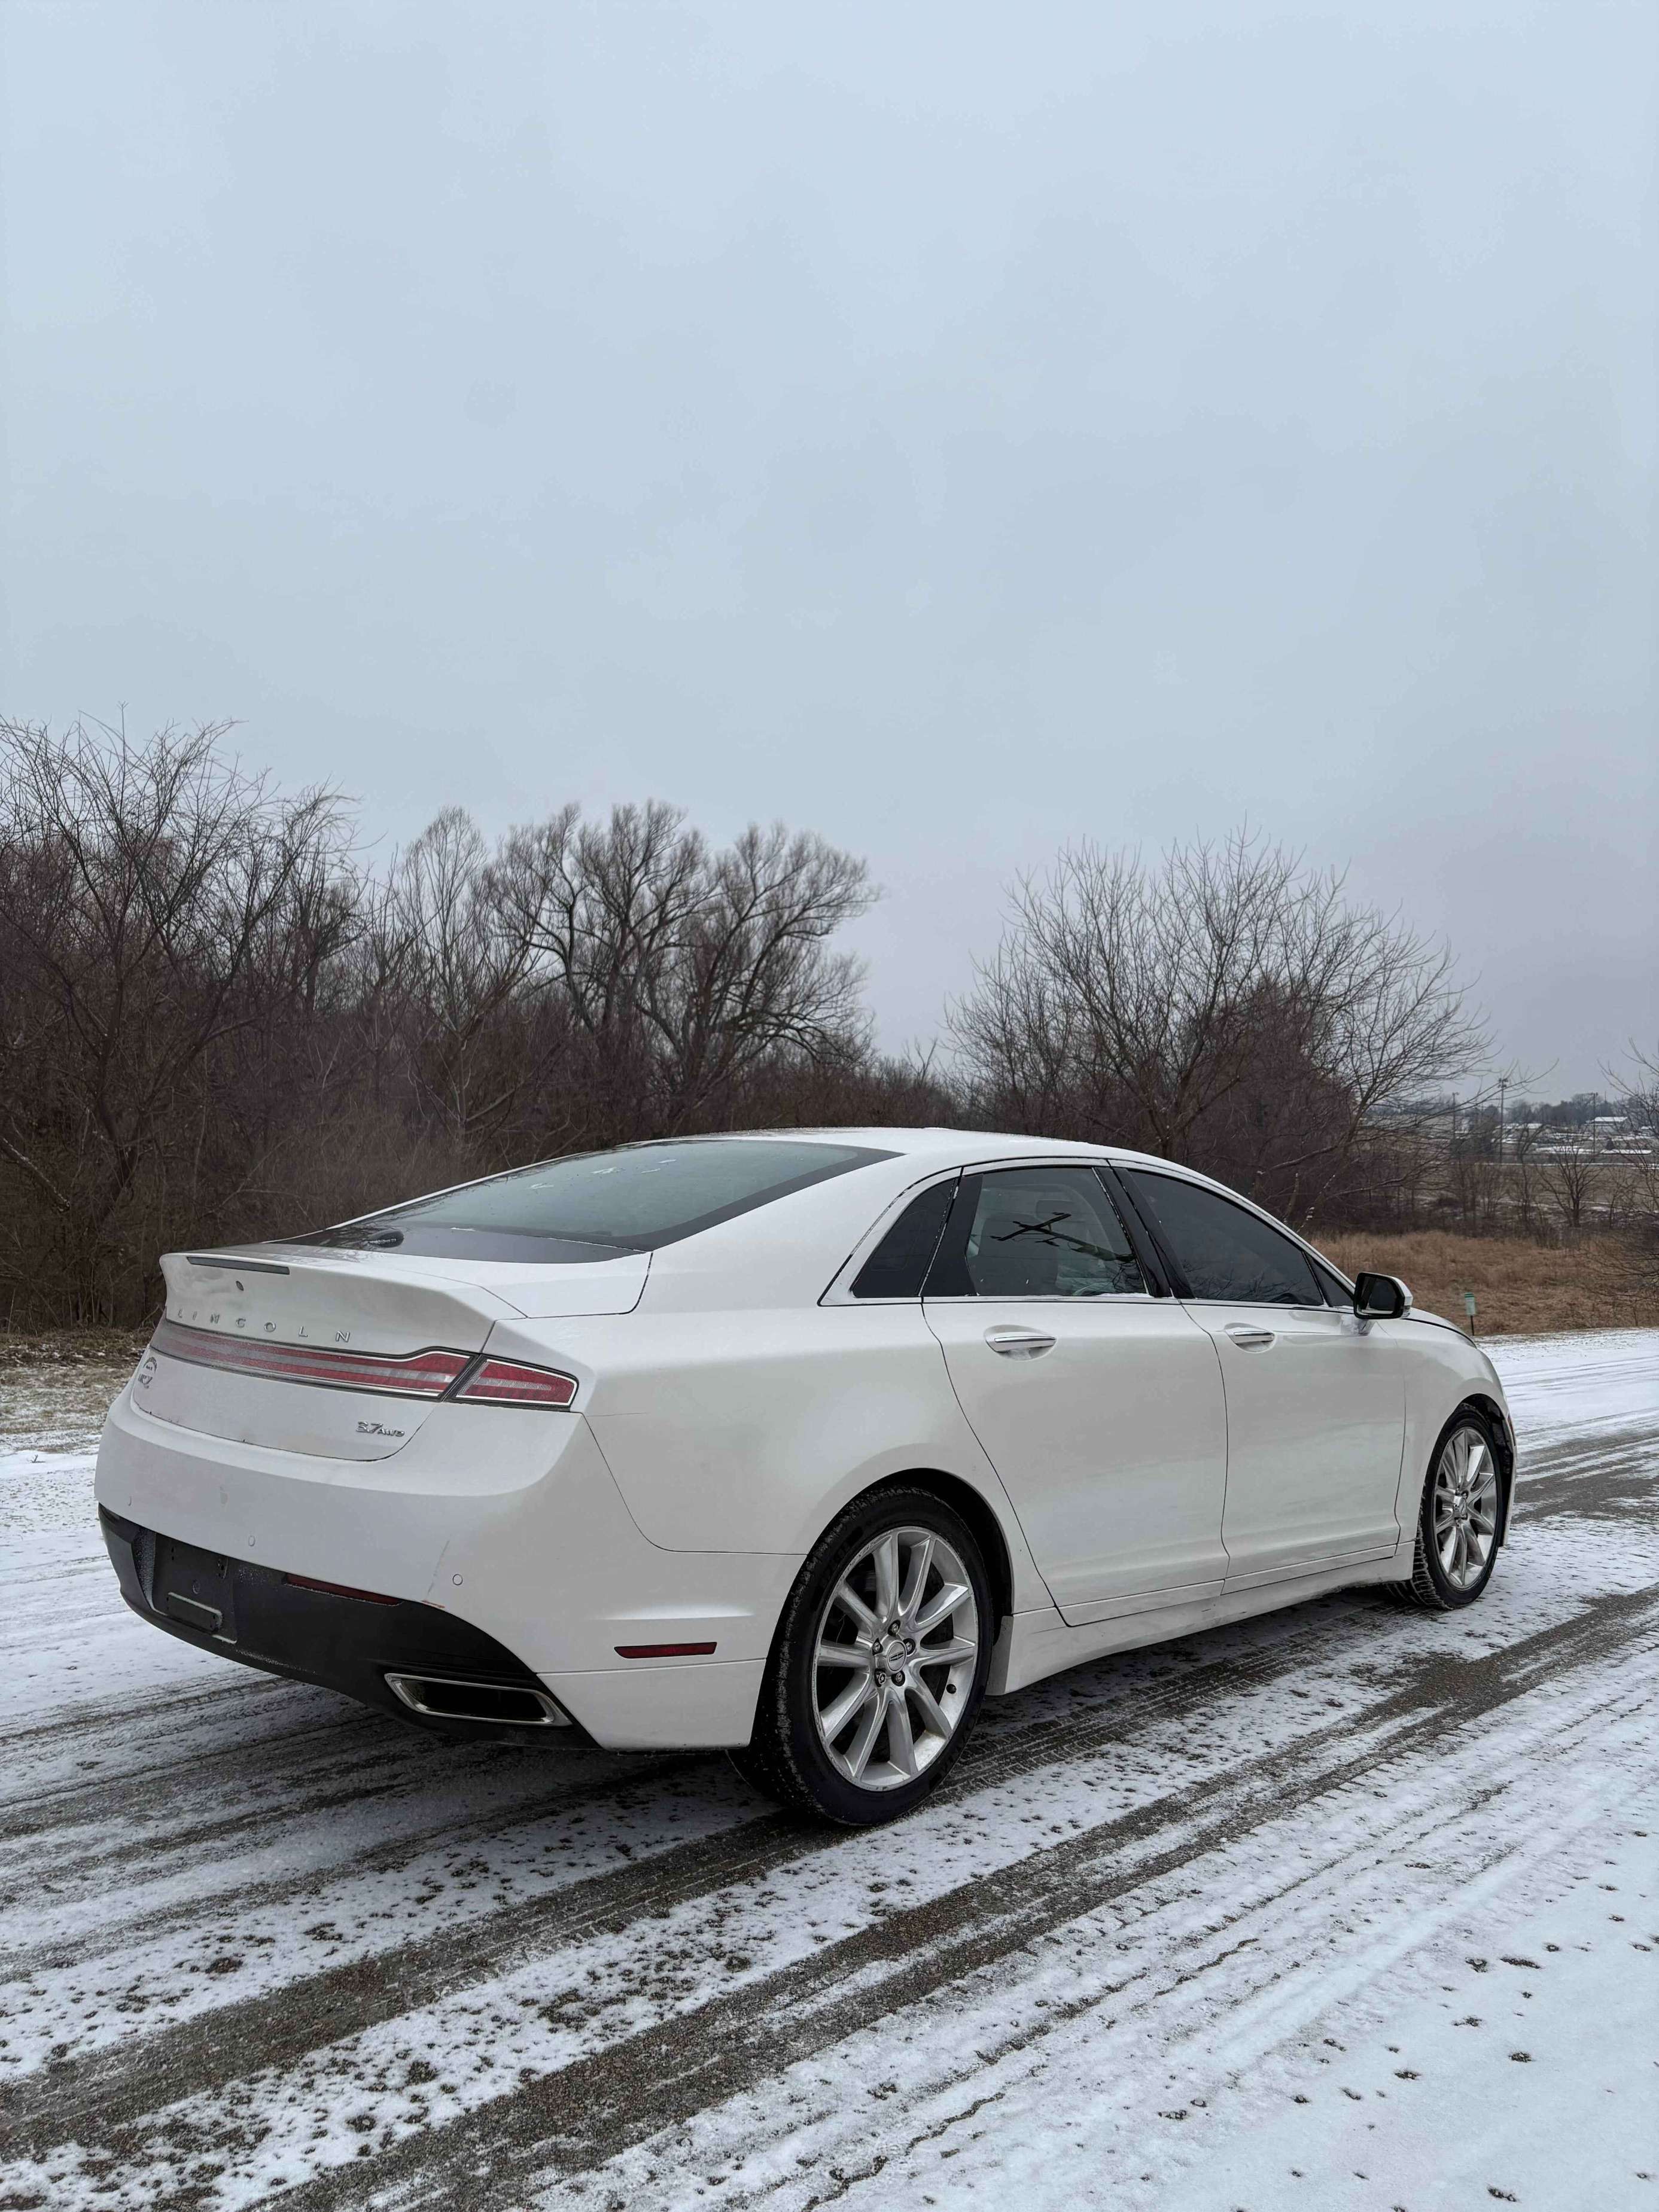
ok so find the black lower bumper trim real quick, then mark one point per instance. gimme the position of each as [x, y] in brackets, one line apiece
[253, 1613]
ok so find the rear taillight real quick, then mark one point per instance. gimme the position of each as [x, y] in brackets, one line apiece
[511, 1382]
[426, 1374]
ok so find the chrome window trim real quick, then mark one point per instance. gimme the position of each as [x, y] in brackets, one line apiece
[1041, 1298]
[839, 1293]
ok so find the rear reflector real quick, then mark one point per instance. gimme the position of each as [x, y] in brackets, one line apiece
[426, 1374]
[664, 1651]
[510, 1382]
[338, 1589]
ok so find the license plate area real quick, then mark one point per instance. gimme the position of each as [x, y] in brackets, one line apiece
[196, 1589]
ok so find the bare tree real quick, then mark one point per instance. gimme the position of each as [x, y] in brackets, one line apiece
[1571, 1175]
[1226, 1006]
[150, 899]
[686, 969]
[452, 957]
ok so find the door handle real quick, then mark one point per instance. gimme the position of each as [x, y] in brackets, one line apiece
[1250, 1340]
[1019, 1343]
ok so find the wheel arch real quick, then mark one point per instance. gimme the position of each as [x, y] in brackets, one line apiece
[977, 1510]
[1498, 1420]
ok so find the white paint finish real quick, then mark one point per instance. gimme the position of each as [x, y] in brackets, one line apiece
[1039, 1644]
[1112, 1446]
[734, 1413]
[548, 1559]
[706, 1706]
[1314, 1426]
[748, 1429]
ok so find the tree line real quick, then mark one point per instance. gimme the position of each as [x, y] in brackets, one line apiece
[223, 1018]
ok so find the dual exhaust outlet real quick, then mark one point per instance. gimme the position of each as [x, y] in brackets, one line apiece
[455, 1698]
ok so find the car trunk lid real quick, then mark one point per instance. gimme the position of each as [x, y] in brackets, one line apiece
[339, 1354]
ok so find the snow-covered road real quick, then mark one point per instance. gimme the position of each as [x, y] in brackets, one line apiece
[1345, 1907]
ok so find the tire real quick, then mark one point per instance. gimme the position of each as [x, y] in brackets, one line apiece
[861, 1741]
[1459, 1519]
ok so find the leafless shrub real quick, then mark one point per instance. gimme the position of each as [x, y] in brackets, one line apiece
[218, 1023]
[1226, 1006]
[160, 910]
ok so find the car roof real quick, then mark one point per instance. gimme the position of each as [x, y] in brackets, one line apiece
[951, 1147]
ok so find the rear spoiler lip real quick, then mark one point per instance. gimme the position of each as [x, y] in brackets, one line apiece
[235, 1262]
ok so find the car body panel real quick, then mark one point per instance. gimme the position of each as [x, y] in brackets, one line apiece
[1315, 1423]
[750, 1431]
[1112, 1446]
[731, 1397]
[528, 1540]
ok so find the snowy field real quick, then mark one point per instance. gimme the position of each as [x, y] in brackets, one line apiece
[1347, 1906]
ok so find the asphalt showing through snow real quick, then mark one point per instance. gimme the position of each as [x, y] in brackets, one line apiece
[260, 1943]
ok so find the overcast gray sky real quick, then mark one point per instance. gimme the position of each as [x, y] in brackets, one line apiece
[953, 428]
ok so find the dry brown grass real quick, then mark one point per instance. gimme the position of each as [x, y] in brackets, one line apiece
[51, 1349]
[1521, 1289]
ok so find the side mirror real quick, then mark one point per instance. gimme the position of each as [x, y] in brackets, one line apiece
[1381, 1297]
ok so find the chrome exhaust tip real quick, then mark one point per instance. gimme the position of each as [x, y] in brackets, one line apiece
[454, 1698]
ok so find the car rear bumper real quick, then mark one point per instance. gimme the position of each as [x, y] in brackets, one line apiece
[382, 1650]
[500, 1534]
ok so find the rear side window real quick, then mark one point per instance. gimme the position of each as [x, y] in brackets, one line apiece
[898, 1266]
[1226, 1253]
[1038, 1233]
[595, 1205]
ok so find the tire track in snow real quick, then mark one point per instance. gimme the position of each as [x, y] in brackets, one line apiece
[106, 2091]
[574, 2119]
[1125, 1998]
[581, 2114]
[1584, 1468]
[1605, 1475]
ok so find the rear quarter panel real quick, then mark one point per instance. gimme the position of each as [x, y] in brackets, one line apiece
[748, 1431]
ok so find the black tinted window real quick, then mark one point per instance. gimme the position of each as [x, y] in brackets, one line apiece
[898, 1267]
[1043, 1233]
[1222, 1251]
[596, 1203]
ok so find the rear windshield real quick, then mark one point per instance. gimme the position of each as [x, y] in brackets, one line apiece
[596, 1204]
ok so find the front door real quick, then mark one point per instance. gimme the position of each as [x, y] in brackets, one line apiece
[1315, 1397]
[1099, 1405]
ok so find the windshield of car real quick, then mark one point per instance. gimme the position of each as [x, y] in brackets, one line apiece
[594, 1206]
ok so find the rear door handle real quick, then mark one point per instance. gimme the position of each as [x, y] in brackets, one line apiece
[1019, 1343]
[1250, 1340]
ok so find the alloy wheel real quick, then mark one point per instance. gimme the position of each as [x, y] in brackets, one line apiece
[894, 1658]
[1465, 1509]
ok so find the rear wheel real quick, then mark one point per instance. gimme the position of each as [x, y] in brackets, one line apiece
[1457, 1526]
[878, 1665]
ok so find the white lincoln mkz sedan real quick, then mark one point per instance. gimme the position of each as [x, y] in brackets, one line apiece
[799, 1443]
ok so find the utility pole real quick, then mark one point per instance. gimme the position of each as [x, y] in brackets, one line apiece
[1503, 1084]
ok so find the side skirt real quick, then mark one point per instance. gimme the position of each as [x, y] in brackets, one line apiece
[1038, 1644]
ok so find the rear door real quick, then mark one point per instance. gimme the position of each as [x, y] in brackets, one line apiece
[1315, 1398]
[1098, 1403]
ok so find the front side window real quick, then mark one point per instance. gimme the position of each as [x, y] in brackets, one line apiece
[1337, 1292]
[1225, 1253]
[596, 1204]
[1040, 1233]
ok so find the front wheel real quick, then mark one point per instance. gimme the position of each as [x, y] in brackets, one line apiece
[1457, 1527]
[878, 1665]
